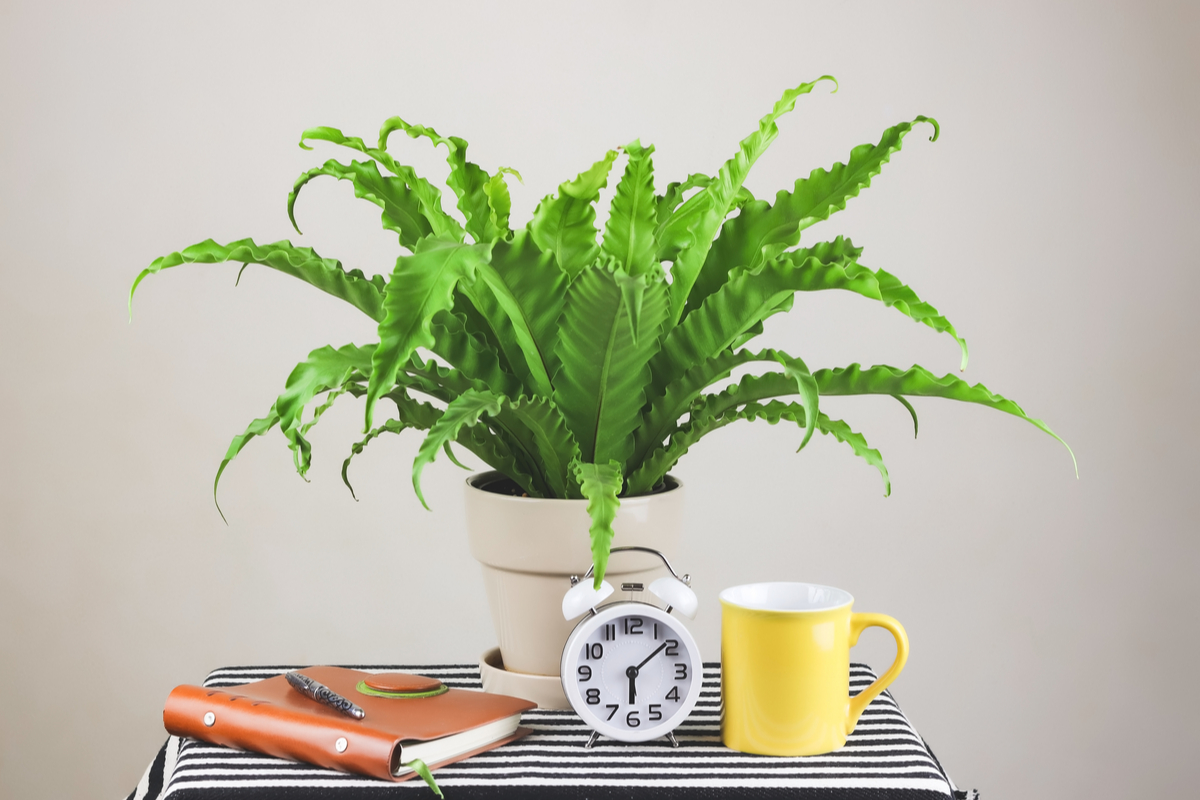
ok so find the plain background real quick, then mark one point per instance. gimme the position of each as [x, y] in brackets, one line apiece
[1052, 620]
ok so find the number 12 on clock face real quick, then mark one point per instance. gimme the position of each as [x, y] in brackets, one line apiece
[634, 672]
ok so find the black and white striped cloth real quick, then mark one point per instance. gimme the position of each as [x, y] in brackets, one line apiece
[884, 759]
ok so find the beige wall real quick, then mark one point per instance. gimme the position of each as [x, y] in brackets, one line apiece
[1053, 621]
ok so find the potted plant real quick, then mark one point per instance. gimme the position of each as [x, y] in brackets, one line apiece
[574, 362]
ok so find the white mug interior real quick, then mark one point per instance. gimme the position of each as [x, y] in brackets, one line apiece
[785, 596]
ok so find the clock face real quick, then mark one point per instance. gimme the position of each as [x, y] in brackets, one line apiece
[632, 671]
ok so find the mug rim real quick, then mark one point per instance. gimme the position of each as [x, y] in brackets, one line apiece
[840, 598]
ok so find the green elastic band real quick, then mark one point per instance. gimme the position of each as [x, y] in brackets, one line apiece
[418, 766]
[364, 689]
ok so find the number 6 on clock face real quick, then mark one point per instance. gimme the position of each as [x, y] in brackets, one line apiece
[632, 671]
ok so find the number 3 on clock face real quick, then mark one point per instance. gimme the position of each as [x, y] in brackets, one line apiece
[632, 671]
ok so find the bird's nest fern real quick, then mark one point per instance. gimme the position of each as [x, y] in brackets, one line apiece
[568, 360]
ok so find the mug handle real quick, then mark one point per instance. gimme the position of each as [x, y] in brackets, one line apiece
[859, 623]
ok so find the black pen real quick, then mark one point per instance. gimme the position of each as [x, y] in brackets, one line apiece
[323, 694]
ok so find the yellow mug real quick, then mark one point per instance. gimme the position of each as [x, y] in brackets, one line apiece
[785, 667]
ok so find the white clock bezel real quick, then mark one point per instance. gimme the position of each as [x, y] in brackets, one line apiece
[570, 661]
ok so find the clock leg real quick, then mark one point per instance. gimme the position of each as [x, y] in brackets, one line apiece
[592, 740]
[671, 738]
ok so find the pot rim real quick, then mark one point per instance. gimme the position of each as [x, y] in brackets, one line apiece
[673, 485]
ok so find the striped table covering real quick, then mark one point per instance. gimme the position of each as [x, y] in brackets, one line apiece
[884, 759]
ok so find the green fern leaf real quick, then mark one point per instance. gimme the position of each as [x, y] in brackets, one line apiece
[652, 470]
[521, 438]
[694, 225]
[920, 382]
[511, 324]
[825, 192]
[520, 444]
[389, 426]
[258, 427]
[895, 294]
[428, 196]
[535, 425]
[761, 231]
[708, 419]
[565, 224]
[515, 452]
[401, 211]
[494, 451]
[745, 300]
[436, 381]
[412, 414]
[477, 326]
[912, 412]
[500, 201]
[849, 275]
[464, 411]
[600, 484]
[534, 291]
[775, 411]
[834, 267]
[666, 203]
[325, 405]
[600, 386]
[422, 285]
[469, 355]
[326, 274]
[324, 369]
[857, 442]
[742, 197]
[538, 287]
[629, 233]
[662, 411]
[541, 427]
[469, 181]
[449, 451]
[854, 380]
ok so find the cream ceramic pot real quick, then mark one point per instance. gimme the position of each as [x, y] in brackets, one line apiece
[529, 547]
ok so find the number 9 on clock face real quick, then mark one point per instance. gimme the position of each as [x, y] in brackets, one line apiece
[631, 671]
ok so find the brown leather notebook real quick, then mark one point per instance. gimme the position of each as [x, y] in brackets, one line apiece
[406, 717]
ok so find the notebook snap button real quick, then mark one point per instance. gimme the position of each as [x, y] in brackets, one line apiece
[341, 744]
[209, 719]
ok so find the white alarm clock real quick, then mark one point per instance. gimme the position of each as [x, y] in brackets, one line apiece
[631, 670]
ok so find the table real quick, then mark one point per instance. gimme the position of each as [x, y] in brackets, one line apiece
[884, 759]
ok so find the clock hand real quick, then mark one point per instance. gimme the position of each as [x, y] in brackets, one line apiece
[652, 655]
[632, 673]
